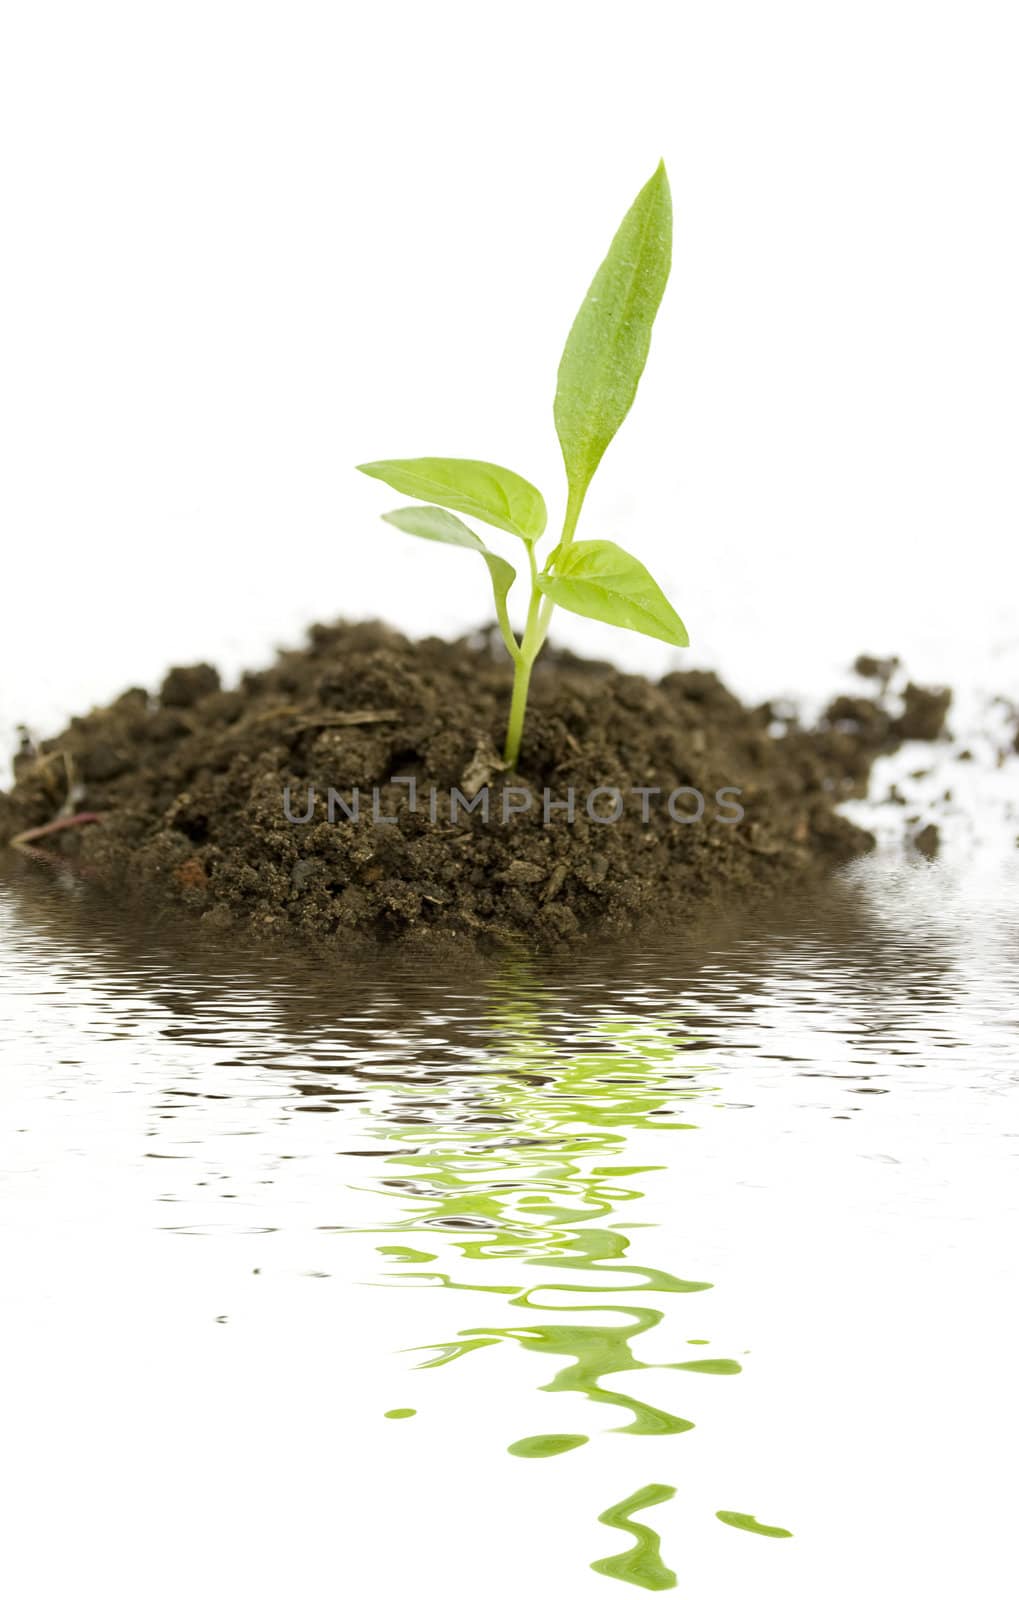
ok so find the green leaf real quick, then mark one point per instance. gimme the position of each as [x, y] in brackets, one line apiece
[598, 579]
[477, 488]
[608, 344]
[428, 522]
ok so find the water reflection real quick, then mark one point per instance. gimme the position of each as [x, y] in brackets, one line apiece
[531, 1170]
[642, 1563]
[499, 1129]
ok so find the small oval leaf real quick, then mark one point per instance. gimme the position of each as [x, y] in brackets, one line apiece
[428, 522]
[598, 579]
[477, 488]
[608, 344]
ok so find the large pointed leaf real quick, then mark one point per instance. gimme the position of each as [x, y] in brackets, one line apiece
[608, 344]
[598, 579]
[428, 522]
[477, 488]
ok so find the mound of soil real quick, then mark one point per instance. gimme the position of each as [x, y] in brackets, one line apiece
[201, 794]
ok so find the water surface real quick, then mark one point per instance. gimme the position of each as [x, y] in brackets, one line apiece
[691, 1265]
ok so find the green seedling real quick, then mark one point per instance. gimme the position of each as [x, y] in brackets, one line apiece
[600, 369]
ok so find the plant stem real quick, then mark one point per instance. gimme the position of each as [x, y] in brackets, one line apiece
[539, 615]
[523, 661]
[518, 705]
[574, 503]
[508, 636]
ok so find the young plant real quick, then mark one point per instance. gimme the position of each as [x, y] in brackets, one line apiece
[599, 372]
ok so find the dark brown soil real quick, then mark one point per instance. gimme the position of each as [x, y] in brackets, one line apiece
[189, 786]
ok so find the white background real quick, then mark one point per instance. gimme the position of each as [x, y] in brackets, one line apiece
[250, 245]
